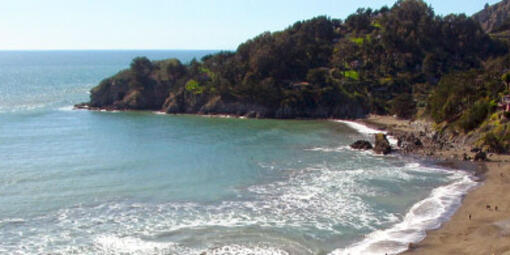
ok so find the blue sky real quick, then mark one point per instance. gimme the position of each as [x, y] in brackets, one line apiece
[170, 24]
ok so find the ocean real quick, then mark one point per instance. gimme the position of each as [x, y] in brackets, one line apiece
[90, 182]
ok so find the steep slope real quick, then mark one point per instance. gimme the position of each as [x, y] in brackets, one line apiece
[319, 68]
[492, 17]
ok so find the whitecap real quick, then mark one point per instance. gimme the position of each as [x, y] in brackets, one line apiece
[66, 108]
[366, 130]
[425, 215]
[246, 250]
[110, 244]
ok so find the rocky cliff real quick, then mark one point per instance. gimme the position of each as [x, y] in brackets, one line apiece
[492, 17]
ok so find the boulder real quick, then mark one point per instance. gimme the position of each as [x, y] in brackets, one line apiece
[409, 142]
[480, 156]
[362, 145]
[382, 145]
[476, 150]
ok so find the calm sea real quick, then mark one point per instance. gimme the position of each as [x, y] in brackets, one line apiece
[86, 182]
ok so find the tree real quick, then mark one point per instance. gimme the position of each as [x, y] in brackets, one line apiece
[403, 106]
[141, 67]
[506, 79]
[175, 70]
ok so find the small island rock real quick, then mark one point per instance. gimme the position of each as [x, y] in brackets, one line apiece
[382, 145]
[362, 145]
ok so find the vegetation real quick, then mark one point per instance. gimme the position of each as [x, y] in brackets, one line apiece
[387, 61]
[403, 106]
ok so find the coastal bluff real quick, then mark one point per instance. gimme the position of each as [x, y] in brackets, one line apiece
[384, 61]
[402, 61]
[168, 86]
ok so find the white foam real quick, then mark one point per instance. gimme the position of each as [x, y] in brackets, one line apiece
[319, 198]
[66, 108]
[366, 130]
[11, 220]
[327, 149]
[159, 112]
[361, 128]
[348, 148]
[246, 250]
[425, 215]
[110, 244]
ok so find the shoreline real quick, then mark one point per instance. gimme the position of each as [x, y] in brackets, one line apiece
[475, 227]
[419, 220]
[448, 236]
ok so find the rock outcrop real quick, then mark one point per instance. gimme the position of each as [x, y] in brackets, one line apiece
[362, 145]
[492, 17]
[382, 145]
[480, 156]
[127, 91]
[409, 142]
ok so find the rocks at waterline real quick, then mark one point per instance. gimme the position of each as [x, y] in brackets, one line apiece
[382, 145]
[480, 156]
[362, 145]
[409, 142]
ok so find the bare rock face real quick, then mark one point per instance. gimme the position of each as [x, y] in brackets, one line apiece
[492, 17]
[409, 142]
[382, 145]
[362, 145]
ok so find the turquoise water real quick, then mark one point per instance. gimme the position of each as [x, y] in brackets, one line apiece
[85, 182]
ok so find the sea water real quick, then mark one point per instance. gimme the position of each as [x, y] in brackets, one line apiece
[89, 182]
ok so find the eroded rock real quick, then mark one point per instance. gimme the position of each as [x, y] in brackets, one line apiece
[362, 145]
[382, 145]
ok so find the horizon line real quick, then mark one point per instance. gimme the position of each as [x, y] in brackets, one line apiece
[141, 49]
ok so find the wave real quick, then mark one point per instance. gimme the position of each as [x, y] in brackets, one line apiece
[310, 200]
[366, 130]
[110, 244]
[66, 108]
[4, 222]
[425, 215]
[348, 148]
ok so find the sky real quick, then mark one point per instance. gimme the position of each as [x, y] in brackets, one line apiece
[170, 24]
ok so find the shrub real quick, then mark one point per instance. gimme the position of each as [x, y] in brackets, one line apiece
[403, 106]
[506, 79]
[351, 74]
[493, 143]
[141, 67]
[175, 70]
[475, 115]
[194, 87]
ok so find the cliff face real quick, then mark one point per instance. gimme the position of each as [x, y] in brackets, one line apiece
[160, 88]
[493, 16]
[118, 93]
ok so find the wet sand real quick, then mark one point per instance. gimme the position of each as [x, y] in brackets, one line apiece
[488, 230]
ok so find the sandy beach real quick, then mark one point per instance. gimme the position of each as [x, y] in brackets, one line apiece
[482, 224]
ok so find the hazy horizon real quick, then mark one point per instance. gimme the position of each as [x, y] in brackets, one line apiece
[169, 25]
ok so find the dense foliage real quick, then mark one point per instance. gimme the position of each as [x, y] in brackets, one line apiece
[384, 61]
